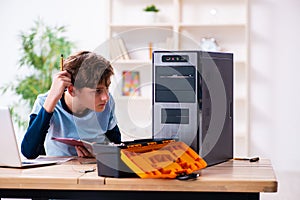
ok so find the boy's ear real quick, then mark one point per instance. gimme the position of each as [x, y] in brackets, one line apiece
[71, 90]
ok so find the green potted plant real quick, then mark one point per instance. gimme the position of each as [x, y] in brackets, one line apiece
[151, 13]
[41, 48]
[151, 8]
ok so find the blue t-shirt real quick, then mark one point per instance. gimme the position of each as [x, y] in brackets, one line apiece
[61, 123]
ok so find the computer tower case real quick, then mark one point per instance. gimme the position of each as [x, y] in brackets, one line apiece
[193, 101]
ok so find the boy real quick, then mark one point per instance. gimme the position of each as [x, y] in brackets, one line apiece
[78, 105]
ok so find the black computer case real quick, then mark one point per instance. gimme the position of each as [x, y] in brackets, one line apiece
[193, 101]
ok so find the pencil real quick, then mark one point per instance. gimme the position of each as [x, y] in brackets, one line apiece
[61, 62]
[254, 159]
[150, 50]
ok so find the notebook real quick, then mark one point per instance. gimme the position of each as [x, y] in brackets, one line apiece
[10, 155]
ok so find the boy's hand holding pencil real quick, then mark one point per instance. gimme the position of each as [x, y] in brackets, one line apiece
[60, 82]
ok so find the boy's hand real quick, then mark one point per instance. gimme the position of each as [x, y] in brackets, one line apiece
[83, 152]
[60, 81]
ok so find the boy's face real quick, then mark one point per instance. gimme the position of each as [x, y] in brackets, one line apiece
[94, 99]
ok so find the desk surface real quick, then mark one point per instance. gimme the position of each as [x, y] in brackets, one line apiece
[231, 176]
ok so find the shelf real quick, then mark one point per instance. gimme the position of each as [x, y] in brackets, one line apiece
[131, 62]
[240, 134]
[131, 11]
[135, 98]
[240, 145]
[141, 25]
[237, 63]
[213, 11]
[223, 25]
[181, 25]
[240, 63]
[239, 99]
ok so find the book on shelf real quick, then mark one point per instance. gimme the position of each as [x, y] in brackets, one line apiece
[123, 49]
[118, 49]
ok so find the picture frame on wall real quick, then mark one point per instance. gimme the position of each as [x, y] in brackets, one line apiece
[131, 83]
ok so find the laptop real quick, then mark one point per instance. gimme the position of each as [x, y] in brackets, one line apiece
[10, 155]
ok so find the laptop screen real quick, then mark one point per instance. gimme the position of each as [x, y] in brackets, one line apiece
[9, 151]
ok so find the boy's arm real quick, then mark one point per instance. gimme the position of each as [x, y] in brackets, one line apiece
[114, 135]
[33, 142]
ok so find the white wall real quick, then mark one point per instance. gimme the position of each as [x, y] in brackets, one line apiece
[275, 87]
[85, 22]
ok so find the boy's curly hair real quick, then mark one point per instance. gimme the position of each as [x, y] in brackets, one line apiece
[88, 69]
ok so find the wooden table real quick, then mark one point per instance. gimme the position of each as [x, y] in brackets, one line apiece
[230, 180]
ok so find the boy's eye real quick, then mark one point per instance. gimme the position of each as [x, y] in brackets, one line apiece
[101, 91]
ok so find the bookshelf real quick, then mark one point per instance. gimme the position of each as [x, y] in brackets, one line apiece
[179, 25]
